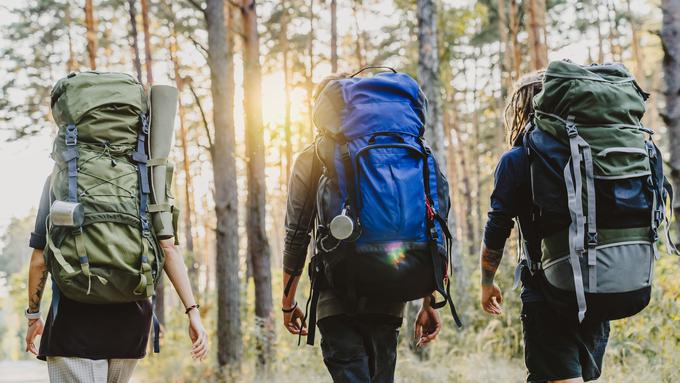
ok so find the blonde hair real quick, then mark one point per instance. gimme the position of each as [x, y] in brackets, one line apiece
[519, 107]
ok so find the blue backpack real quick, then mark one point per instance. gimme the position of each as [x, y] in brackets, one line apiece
[382, 202]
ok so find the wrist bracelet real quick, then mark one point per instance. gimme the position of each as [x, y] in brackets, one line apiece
[191, 308]
[290, 310]
[32, 316]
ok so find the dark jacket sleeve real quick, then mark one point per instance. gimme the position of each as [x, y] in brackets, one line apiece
[508, 198]
[38, 238]
[300, 211]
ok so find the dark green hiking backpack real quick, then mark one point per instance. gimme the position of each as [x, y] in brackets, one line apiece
[598, 188]
[108, 251]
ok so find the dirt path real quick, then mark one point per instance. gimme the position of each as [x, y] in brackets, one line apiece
[23, 371]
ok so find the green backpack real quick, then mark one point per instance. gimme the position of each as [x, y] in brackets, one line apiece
[101, 245]
[598, 189]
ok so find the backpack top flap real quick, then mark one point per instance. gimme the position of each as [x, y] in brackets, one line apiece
[104, 106]
[387, 102]
[606, 105]
[594, 95]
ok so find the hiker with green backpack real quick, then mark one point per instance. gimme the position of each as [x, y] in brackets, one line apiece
[371, 196]
[584, 183]
[105, 231]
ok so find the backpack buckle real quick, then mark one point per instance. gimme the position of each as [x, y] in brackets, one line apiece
[570, 125]
[433, 233]
[144, 122]
[592, 240]
[71, 135]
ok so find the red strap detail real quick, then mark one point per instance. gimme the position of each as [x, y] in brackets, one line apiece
[429, 209]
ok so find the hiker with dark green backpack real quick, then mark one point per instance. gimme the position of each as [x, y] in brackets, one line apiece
[104, 230]
[584, 182]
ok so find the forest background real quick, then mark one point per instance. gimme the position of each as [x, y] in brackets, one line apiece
[246, 73]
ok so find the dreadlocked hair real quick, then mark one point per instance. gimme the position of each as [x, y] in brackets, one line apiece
[519, 107]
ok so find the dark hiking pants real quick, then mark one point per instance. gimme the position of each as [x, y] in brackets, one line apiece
[361, 349]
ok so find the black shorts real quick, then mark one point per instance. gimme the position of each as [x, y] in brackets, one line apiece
[556, 348]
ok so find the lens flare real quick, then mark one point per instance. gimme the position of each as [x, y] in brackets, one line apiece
[396, 253]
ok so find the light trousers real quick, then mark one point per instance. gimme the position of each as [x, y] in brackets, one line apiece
[80, 370]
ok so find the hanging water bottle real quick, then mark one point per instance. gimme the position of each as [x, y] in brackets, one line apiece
[342, 226]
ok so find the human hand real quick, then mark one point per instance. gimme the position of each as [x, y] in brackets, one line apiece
[295, 320]
[492, 299]
[35, 328]
[428, 324]
[198, 336]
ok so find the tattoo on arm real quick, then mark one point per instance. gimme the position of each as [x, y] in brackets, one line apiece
[34, 304]
[489, 261]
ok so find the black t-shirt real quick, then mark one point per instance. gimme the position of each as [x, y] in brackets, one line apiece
[75, 329]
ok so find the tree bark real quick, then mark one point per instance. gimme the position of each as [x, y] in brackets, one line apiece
[229, 336]
[134, 39]
[288, 149]
[310, 74]
[91, 34]
[428, 76]
[358, 49]
[635, 46]
[535, 10]
[505, 71]
[258, 244]
[670, 39]
[334, 36]
[514, 43]
[148, 60]
[600, 38]
[71, 62]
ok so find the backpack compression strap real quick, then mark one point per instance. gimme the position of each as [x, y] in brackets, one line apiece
[438, 262]
[574, 186]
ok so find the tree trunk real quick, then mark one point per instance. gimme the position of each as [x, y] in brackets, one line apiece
[286, 80]
[428, 76]
[505, 72]
[258, 245]
[600, 38]
[134, 39]
[461, 278]
[334, 36]
[514, 43]
[190, 256]
[91, 34]
[71, 62]
[670, 39]
[229, 336]
[358, 49]
[148, 60]
[635, 46]
[535, 10]
[310, 74]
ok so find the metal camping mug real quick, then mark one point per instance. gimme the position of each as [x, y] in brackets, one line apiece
[342, 226]
[67, 214]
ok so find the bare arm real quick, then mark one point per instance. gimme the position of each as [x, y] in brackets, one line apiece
[177, 273]
[489, 261]
[492, 298]
[37, 278]
[293, 320]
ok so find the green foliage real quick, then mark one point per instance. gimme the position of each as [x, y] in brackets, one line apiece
[15, 252]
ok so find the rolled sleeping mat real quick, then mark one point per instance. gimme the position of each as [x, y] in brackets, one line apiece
[163, 111]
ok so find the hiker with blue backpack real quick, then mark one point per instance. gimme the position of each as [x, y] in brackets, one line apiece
[371, 197]
[584, 182]
[105, 231]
